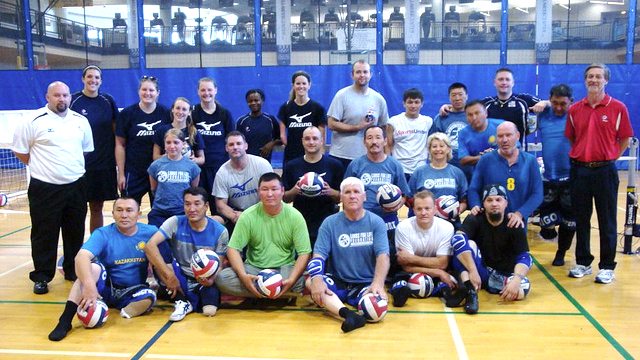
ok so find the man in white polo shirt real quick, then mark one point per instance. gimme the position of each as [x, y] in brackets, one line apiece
[53, 142]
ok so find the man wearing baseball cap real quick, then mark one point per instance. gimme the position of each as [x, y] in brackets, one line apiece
[487, 252]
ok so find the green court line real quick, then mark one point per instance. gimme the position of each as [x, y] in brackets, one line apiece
[169, 306]
[584, 312]
[15, 231]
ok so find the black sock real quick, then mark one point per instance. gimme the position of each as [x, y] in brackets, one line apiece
[64, 323]
[469, 286]
[352, 320]
[400, 295]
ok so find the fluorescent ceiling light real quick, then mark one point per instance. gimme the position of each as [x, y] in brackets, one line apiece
[526, 11]
[564, 6]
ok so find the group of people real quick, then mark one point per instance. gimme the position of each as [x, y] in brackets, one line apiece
[472, 156]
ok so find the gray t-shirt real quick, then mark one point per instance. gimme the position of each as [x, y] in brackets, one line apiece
[349, 107]
[240, 188]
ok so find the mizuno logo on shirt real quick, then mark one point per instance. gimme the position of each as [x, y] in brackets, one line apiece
[149, 127]
[206, 126]
[241, 187]
[298, 118]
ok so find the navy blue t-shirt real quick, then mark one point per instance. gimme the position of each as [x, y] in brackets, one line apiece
[101, 111]
[314, 209]
[296, 118]
[138, 129]
[213, 128]
[514, 109]
[258, 131]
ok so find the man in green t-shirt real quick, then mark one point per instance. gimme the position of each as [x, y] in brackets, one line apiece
[273, 234]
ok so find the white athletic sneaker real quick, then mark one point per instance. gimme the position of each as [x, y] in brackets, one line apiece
[182, 308]
[605, 276]
[579, 271]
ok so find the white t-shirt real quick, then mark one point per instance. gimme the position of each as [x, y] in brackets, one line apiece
[436, 241]
[240, 188]
[56, 145]
[349, 107]
[410, 140]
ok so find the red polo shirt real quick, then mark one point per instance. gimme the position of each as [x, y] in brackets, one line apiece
[595, 132]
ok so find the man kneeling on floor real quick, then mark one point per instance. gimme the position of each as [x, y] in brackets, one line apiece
[497, 254]
[119, 276]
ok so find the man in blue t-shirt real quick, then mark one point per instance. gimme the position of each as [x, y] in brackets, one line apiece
[350, 258]
[313, 209]
[516, 170]
[187, 234]
[454, 122]
[375, 169]
[556, 206]
[118, 271]
[479, 138]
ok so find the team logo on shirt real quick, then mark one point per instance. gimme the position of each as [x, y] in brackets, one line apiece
[344, 240]
[356, 239]
[174, 176]
[605, 118]
[440, 183]
[243, 190]
[452, 131]
[242, 186]
[207, 129]
[298, 121]
[376, 178]
[140, 246]
[148, 129]
[84, 112]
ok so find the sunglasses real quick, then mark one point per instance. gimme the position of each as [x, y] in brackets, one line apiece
[150, 78]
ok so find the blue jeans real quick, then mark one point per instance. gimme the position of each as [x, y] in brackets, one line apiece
[599, 185]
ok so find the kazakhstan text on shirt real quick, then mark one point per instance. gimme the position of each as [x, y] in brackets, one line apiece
[130, 260]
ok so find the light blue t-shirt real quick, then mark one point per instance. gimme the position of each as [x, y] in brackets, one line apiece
[447, 181]
[350, 248]
[123, 256]
[173, 178]
[375, 174]
[555, 147]
[472, 143]
[452, 125]
[185, 241]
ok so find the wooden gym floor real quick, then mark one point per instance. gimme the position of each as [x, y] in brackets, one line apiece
[562, 318]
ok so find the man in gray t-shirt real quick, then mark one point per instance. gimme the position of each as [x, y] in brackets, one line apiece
[236, 185]
[353, 109]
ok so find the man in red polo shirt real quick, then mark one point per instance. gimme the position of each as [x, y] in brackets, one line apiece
[598, 129]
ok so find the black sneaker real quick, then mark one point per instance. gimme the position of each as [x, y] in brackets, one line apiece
[549, 234]
[40, 288]
[471, 305]
[559, 259]
[455, 299]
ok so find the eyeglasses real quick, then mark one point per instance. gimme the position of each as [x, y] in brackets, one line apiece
[150, 78]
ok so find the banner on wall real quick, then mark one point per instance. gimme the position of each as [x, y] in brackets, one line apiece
[361, 39]
[283, 31]
[544, 31]
[412, 32]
